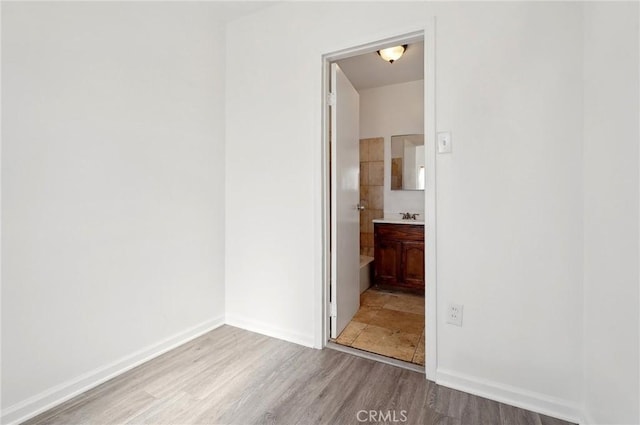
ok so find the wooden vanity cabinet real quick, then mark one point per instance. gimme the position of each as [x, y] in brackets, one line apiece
[399, 256]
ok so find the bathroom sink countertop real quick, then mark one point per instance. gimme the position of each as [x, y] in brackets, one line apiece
[398, 221]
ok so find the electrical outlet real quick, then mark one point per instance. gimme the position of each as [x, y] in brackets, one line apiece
[454, 314]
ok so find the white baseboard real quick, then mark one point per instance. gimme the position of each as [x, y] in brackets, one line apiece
[268, 330]
[518, 397]
[52, 397]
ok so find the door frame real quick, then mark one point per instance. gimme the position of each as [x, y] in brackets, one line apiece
[424, 33]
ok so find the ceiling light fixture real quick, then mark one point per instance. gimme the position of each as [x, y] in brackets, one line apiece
[392, 54]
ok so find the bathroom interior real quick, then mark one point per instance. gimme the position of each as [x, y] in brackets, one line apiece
[390, 320]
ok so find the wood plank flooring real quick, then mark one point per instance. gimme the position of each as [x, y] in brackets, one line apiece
[232, 376]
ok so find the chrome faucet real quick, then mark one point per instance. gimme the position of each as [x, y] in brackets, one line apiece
[409, 216]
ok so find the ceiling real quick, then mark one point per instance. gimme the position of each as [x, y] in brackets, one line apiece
[230, 10]
[370, 70]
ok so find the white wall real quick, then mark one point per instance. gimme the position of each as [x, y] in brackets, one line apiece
[611, 212]
[509, 196]
[112, 189]
[390, 110]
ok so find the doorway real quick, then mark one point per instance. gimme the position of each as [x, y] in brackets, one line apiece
[376, 291]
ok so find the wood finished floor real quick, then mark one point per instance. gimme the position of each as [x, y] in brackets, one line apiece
[232, 376]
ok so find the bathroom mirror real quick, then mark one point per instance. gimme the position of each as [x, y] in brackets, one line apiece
[407, 162]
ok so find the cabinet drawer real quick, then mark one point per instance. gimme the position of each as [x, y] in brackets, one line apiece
[404, 232]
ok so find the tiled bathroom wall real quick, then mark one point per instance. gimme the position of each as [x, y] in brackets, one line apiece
[396, 173]
[371, 189]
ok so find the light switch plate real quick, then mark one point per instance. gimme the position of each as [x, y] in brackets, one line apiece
[444, 142]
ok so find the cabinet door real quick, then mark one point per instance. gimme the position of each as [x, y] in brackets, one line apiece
[387, 261]
[413, 264]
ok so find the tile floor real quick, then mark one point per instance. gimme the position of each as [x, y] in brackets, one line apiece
[388, 323]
